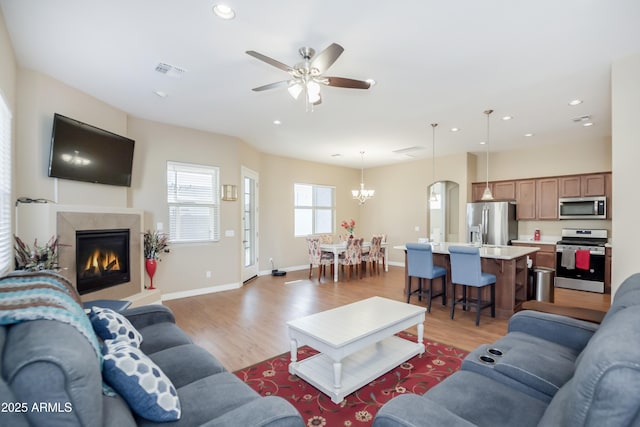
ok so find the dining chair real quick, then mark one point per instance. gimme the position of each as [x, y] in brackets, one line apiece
[383, 250]
[352, 256]
[318, 257]
[374, 254]
[466, 270]
[420, 265]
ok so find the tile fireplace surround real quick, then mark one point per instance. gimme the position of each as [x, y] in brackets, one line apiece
[42, 221]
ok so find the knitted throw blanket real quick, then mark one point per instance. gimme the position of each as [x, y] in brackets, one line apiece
[37, 295]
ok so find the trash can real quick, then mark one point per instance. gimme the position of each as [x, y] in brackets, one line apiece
[544, 283]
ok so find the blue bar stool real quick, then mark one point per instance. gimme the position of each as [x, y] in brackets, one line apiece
[420, 265]
[466, 270]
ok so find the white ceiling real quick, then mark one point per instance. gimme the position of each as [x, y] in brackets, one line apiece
[439, 62]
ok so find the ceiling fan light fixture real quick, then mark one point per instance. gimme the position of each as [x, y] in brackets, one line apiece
[294, 89]
[223, 11]
[313, 92]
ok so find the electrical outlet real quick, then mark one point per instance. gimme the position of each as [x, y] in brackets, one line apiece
[270, 260]
[208, 274]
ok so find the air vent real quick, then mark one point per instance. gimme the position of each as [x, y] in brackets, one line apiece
[408, 151]
[582, 119]
[170, 70]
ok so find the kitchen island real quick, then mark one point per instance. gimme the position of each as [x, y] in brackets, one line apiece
[508, 263]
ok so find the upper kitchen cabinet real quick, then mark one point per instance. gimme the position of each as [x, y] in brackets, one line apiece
[526, 199]
[501, 190]
[547, 198]
[582, 185]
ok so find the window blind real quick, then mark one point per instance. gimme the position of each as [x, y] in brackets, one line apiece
[5, 187]
[194, 202]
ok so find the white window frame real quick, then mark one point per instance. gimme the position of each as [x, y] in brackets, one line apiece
[6, 241]
[180, 231]
[313, 208]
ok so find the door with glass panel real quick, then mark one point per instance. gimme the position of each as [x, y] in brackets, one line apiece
[249, 224]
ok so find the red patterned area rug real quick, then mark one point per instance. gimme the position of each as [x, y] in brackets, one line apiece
[417, 375]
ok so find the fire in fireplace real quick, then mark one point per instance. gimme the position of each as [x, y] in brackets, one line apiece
[102, 259]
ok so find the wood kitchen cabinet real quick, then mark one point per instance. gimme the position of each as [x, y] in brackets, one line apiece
[547, 198]
[526, 199]
[504, 190]
[545, 257]
[582, 185]
[477, 188]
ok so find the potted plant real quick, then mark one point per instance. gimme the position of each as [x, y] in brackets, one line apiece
[37, 258]
[154, 244]
[349, 226]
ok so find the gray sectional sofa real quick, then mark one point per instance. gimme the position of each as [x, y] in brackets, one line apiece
[549, 370]
[50, 376]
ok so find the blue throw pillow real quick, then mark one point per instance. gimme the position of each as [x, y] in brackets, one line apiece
[110, 325]
[146, 389]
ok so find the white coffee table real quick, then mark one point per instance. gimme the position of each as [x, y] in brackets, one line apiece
[357, 344]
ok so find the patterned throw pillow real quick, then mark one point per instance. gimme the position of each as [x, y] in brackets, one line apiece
[110, 325]
[140, 382]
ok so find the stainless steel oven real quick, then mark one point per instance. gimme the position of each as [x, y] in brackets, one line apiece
[580, 259]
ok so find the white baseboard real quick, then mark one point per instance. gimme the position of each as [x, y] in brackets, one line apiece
[201, 291]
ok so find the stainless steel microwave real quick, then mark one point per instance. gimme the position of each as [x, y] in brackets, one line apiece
[582, 207]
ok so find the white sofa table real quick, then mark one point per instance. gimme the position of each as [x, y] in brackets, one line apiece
[357, 344]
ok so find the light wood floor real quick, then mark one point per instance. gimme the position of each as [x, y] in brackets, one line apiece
[248, 325]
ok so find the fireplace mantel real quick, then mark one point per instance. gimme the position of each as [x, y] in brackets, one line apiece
[43, 220]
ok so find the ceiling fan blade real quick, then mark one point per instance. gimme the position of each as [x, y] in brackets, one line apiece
[344, 82]
[327, 57]
[270, 61]
[284, 83]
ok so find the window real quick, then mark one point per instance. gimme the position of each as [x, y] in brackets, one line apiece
[5, 188]
[314, 207]
[194, 202]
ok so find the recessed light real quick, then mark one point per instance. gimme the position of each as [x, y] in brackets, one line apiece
[587, 124]
[528, 134]
[505, 118]
[336, 155]
[483, 142]
[575, 102]
[277, 122]
[160, 93]
[223, 11]
[455, 129]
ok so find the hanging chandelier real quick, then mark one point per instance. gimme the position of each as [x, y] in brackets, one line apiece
[362, 195]
[434, 195]
[486, 195]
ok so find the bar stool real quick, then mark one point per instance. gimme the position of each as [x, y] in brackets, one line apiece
[466, 270]
[420, 265]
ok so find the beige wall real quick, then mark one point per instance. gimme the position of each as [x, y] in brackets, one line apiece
[277, 177]
[40, 97]
[626, 168]
[548, 160]
[401, 198]
[185, 267]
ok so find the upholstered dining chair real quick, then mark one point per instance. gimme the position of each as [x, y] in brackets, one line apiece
[466, 270]
[420, 265]
[352, 256]
[318, 257]
[374, 255]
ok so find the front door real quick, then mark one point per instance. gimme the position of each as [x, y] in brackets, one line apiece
[249, 224]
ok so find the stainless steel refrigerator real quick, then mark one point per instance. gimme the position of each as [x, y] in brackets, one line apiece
[495, 221]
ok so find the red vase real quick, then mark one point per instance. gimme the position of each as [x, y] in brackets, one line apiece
[150, 265]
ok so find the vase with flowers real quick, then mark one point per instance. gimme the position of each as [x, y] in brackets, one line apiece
[154, 244]
[349, 226]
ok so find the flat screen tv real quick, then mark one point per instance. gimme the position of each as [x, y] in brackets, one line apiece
[82, 152]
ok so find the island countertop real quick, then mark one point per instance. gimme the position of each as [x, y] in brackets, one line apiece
[486, 251]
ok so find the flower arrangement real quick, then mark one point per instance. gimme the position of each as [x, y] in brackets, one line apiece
[37, 258]
[348, 225]
[155, 243]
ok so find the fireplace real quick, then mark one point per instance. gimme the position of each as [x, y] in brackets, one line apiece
[102, 259]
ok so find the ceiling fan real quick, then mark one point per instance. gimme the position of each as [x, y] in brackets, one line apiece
[307, 76]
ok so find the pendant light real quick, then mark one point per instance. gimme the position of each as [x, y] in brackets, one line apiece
[362, 195]
[434, 195]
[487, 192]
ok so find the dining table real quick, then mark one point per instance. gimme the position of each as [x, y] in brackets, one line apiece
[337, 248]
